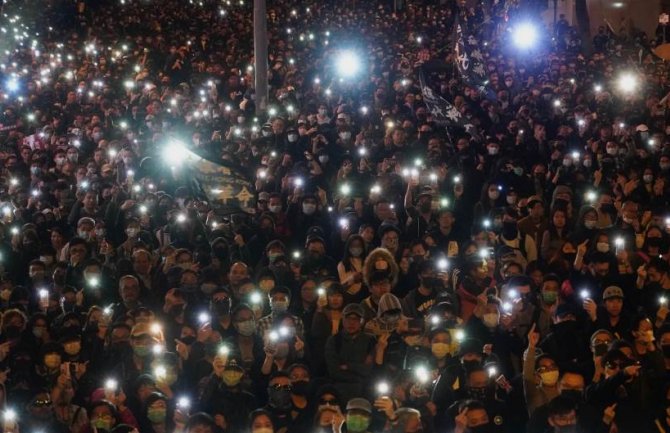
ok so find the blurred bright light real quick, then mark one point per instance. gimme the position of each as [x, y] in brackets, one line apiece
[348, 63]
[627, 82]
[12, 85]
[525, 35]
[175, 153]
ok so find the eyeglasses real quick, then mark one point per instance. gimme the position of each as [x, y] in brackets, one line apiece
[330, 401]
[279, 387]
[545, 369]
[41, 403]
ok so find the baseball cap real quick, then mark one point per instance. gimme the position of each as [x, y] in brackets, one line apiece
[612, 292]
[353, 309]
[359, 404]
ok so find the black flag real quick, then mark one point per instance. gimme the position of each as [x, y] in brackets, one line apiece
[443, 111]
[470, 62]
[225, 186]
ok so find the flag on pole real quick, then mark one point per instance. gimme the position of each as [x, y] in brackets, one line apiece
[443, 111]
[226, 188]
[470, 62]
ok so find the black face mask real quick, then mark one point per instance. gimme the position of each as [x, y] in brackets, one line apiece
[279, 398]
[666, 350]
[574, 394]
[478, 393]
[221, 308]
[188, 340]
[300, 387]
[485, 428]
[509, 230]
[425, 207]
[601, 349]
[570, 257]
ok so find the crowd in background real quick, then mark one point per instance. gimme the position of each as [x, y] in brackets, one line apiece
[397, 274]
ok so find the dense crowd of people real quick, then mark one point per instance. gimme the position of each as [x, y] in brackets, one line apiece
[398, 274]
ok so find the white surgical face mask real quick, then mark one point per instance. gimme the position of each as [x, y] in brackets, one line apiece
[603, 247]
[308, 208]
[492, 150]
[648, 178]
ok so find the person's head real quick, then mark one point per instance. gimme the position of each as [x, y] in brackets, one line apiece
[614, 362]
[78, 249]
[103, 415]
[156, 408]
[409, 420]
[546, 370]
[476, 414]
[600, 341]
[600, 264]
[358, 416]
[352, 319]
[390, 239]
[142, 262]
[477, 381]
[657, 270]
[129, 289]
[201, 423]
[572, 384]
[244, 320]
[380, 284]
[550, 289]
[642, 330]
[613, 301]
[238, 272]
[280, 298]
[260, 421]
[40, 407]
[279, 390]
[142, 340]
[562, 416]
[335, 296]
[440, 343]
[300, 379]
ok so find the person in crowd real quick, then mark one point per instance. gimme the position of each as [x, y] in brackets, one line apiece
[483, 230]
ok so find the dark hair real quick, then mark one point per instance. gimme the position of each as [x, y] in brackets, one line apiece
[659, 264]
[561, 405]
[107, 404]
[258, 412]
[471, 405]
[78, 241]
[278, 373]
[200, 419]
[346, 257]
